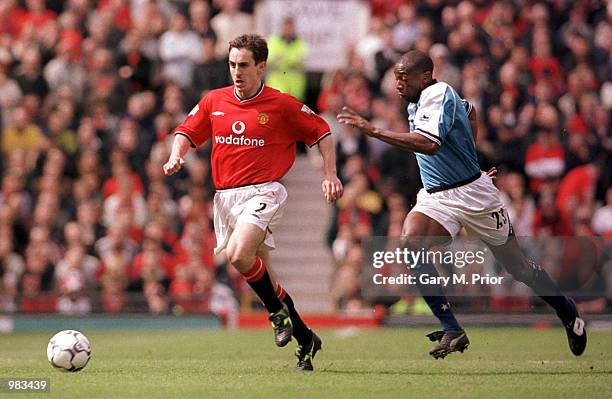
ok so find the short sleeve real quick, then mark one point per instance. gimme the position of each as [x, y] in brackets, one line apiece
[467, 105]
[303, 123]
[196, 127]
[436, 113]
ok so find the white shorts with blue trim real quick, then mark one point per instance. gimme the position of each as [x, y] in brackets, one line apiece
[476, 206]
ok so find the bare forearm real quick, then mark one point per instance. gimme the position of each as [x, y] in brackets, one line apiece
[180, 146]
[412, 142]
[406, 141]
[328, 153]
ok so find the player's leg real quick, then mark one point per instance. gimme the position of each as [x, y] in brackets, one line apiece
[528, 272]
[308, 342]
[452, 337]
[241, 253]
[493, 227]
[301, 332]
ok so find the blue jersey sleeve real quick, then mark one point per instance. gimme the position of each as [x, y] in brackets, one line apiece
[436, 113]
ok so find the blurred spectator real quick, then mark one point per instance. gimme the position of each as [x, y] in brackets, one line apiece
[75, 274]
[179, 51]
[407, 31]
[602, 219]
[210, 71]
[66, 69]
[386, 57]
[10, 97]
[199, 17]
[577, 188]
[521, 207]
[12, 267]
[444, 71]
[116, 248]
[287, 53]
[133, 65]
[229, 23]
[23, 135]
[545, 159]
[29, 74]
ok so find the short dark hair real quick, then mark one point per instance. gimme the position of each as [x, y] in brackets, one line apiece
[255, 43]
[416, 61]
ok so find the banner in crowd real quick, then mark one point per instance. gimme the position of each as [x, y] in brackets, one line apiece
[328, 26]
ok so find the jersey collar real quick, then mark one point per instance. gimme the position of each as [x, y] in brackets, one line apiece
[433, 82]
[249, 98]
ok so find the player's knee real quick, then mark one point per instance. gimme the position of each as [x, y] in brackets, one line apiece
[410, 230]
[239, 258]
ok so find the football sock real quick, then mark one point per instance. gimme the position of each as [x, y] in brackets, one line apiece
[259, 279]
[435, 298]
[301, 332]
[549, 292]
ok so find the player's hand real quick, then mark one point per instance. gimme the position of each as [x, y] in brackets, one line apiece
[492, 173]
[173, 165]
[352, 118]
[332, 188]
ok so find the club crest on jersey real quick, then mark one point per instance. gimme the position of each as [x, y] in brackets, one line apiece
[263, 118]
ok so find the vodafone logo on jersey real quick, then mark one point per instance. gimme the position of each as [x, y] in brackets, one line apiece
[236, 138]
[238, 127]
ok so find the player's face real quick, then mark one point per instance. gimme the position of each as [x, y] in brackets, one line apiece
[409, 83]
[245, 73]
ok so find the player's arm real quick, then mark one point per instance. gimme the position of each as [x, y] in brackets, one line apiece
[180, 146]
[193, 132]
[411, 142]
[310, 128]
[331, 185]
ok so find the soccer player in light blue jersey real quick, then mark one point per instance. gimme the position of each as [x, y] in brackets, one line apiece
[457, 194]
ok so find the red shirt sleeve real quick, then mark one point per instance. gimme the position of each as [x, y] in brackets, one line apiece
[303, 123]
[196, 127]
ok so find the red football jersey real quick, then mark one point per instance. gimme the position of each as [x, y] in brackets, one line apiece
[253, 139]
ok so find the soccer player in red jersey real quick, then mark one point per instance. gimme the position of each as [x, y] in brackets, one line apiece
[254, 129]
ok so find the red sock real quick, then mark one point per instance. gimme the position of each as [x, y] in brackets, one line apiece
[256, 271]
[258, 278]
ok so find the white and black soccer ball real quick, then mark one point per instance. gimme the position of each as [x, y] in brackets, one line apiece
[69, 350]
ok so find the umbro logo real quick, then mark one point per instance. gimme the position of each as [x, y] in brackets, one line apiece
[218, 113]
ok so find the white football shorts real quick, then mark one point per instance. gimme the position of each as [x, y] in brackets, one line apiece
[476, 206]
[260, 204]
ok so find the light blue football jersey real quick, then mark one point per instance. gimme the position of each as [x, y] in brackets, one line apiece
[442, 116]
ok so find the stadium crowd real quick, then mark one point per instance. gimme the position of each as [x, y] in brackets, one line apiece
[91, 90]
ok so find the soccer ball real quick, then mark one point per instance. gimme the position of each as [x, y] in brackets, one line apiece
[69, 350]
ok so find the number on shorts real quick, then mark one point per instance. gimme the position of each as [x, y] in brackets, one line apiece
[500, 218]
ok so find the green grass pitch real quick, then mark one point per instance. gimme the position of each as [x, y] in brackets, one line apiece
[385, 363]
